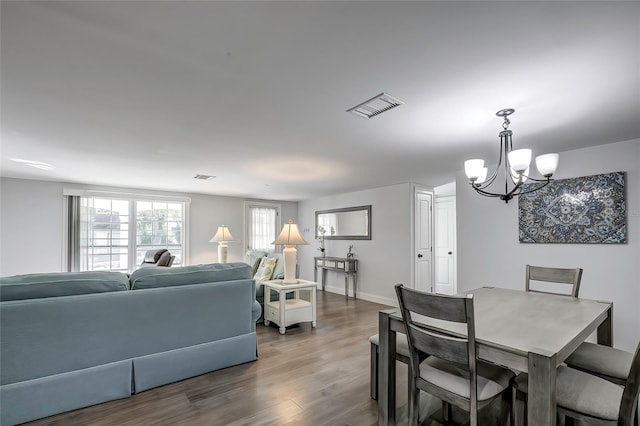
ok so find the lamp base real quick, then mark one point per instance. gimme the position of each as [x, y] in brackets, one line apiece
[290, 256]
[222, 253]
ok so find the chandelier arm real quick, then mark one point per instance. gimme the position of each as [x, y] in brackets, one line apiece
[537, 180]
[547, 182]
[489, 181]
[486, 193]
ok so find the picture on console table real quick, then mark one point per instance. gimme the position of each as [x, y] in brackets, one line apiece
[583, 210]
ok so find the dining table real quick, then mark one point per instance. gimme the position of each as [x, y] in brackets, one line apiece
[528, 332]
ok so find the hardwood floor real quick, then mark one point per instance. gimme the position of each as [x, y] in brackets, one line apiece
[309, 376]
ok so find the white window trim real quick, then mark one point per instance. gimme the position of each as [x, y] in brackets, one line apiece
[249, 204]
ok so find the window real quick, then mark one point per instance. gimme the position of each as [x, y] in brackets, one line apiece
[159, 225]
[104, 234]
[262, 225]
[114, 233]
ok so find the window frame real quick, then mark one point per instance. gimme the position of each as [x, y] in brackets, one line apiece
[247, 220]
[132, 197]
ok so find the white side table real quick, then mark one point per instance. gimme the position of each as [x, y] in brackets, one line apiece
[286, 312]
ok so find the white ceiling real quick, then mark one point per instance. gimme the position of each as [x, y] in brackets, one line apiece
[148, 94]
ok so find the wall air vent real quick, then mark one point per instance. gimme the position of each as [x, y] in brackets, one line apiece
[204, 177]
[376, 105]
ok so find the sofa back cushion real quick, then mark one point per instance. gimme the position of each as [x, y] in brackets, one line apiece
[187, 275]
[56, 284]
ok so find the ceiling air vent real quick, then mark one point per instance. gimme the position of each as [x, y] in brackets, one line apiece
[376, 105]
[204, 177]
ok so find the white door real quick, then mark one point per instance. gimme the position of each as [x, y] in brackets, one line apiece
[445, 241]
[424, 243]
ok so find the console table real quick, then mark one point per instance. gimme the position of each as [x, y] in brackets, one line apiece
[346, 265]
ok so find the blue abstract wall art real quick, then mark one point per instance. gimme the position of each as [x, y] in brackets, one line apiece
[583, 210]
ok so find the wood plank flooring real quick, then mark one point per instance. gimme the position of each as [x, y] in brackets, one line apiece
[309, 376]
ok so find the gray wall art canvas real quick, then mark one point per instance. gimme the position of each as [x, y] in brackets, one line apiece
[583, 210]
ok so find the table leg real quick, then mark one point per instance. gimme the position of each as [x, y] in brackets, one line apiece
[313, 306]
[323, 276]
[386, 371]
[346, 285]
[282, 300]
[355, 284]
[541, 398]
[605, 330]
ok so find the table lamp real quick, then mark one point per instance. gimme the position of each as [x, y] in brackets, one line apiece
[290, 237]
[222, 237]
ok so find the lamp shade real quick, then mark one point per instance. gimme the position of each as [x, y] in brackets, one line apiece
[222, 235]
[519, 160]
[290, 236]
[473, 168]
[547, 164]
[482, 177]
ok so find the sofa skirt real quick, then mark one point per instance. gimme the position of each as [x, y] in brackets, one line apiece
[33, 399]
[157, 369]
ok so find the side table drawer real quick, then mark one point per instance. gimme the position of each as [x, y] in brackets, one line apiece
[296, 311]
[271, 313]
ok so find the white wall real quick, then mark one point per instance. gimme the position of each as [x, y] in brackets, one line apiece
[489, 252]
[31, 224]
[384, 260]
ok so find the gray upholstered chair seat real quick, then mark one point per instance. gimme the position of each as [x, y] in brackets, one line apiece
[492, 380]
[582, 392]
[402, 346]
[604, 361]
[588, 394]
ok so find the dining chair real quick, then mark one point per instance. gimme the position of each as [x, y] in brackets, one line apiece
[402, 355]
[609, 363]
[566, 276]
[451, 371]
[594, 400]
[561, 281]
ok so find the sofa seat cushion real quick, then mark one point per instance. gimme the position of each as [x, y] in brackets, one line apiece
[56, 284]
[187, 275]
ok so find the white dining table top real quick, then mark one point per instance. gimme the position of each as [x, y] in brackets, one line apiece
[522, 322]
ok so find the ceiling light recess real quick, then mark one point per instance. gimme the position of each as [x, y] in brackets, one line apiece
[204, 177]
[376, 105]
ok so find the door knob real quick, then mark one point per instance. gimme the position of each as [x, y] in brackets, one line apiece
[419, 255]
[450, 252]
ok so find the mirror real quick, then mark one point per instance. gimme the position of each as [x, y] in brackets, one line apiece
[352, 223]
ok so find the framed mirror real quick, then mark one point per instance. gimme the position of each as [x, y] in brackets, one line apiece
[351, 223]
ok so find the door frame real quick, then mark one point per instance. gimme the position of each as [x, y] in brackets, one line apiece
[420, 189]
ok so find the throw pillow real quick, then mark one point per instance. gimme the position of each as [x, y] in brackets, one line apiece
[253, 258]
[278, 270]
[265, 270]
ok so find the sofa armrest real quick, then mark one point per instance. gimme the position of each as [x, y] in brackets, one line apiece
[256, 312]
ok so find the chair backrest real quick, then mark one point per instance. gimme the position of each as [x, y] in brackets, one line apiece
[157, 257]
[427, 339]
[631, 392]
[568, 277]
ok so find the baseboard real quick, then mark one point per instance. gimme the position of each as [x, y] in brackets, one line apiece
[364, 296]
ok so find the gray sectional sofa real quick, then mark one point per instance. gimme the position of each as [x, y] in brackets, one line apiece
[70, 340]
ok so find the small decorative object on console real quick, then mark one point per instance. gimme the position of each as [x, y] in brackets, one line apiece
[321, 231]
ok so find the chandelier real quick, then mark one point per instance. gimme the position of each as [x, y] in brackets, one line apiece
[516, 167]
